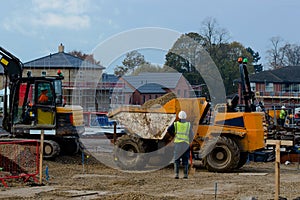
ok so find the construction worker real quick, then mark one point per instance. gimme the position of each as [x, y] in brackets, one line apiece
[183, 137]
[282, 115]
[43, 98]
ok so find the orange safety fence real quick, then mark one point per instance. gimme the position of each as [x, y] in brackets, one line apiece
[19, 159]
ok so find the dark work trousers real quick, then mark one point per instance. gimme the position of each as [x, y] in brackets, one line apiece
[181, 152]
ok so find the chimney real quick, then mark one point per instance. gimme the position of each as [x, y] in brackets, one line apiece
[61, 48]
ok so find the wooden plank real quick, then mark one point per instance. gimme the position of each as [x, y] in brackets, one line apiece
[41, 156]
[277, 170]
[252, 174]
[84, 194]
[278, 143]
[283, 142]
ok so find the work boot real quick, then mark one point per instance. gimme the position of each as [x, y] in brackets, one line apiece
[176, 170]
[185, 171]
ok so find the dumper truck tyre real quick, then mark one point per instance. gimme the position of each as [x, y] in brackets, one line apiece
[243, 159]
[129, 153]
[223, 157]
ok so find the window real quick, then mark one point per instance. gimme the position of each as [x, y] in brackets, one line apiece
[80, 75]
[269, 87]
[253, 86]
[45, 95]
[58, 91]
[178, 93]
[286, 88]
[43, 73]
[295, 87]
[29, 73]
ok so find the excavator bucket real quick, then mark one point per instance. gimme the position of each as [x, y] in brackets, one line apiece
[145, 124]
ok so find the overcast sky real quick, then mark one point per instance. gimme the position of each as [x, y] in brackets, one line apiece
[34, 28]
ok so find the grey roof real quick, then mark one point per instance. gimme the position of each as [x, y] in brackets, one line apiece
[109, 78]
[151, 88]
[61, 60]
[290, 74]
[165, 80]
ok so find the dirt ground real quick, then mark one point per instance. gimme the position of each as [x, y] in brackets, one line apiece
[69, 179]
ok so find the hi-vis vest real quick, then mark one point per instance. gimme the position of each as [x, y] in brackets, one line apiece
[182, 131]
[282, 114]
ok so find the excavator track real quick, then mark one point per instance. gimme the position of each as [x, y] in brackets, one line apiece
[51, 148]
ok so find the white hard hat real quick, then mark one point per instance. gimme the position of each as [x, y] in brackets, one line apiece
[283, 107]
[182, 115]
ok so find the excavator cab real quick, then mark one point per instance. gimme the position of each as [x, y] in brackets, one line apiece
[34, 103]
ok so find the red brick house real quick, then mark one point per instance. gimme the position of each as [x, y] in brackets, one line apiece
[277, 87]
[145, 86]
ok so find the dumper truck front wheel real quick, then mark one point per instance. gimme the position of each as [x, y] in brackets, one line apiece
[223, 157]
[129, 153]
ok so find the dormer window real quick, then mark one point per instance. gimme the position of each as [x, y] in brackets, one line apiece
[43, 73]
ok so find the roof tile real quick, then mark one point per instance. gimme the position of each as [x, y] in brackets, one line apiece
[61, 59]
[290, 74]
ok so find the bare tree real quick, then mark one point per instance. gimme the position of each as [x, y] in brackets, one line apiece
[275, 55]
[291, 54]
[283, 54]
[213, 33]
[84, 56]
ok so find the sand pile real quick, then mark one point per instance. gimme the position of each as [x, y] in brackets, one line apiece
[160, 101]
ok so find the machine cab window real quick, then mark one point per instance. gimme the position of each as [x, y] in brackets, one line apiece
[45, 103]
[44, 94]
[34, 103]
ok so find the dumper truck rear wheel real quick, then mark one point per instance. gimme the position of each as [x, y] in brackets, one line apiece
[223, 157]
[243, 159]
[129, 153]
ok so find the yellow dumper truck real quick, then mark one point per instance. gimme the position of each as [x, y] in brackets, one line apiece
[222, 139]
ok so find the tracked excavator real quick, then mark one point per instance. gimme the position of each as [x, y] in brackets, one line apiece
[24, 116]
[223, 137]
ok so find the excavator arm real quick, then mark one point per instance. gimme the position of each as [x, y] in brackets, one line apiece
[13, 69]
[248, 95]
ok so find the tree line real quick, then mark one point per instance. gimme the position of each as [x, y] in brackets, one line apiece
[184, 54]
[215, 41]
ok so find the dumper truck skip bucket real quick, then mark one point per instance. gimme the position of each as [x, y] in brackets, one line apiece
[147, 131]
[152, 122]
[145, 123]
